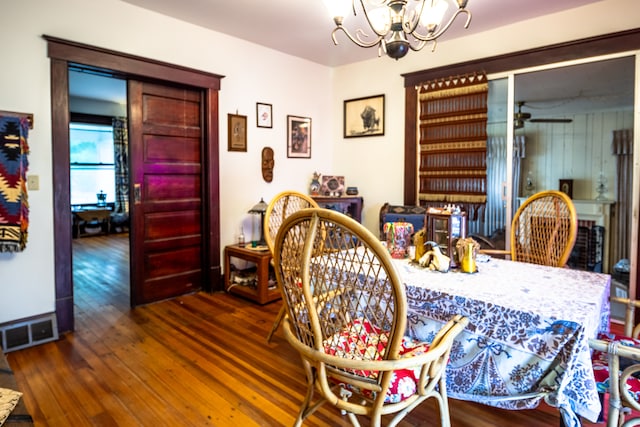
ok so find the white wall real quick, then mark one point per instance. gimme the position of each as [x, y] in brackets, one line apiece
[580, 150]
[253, 74]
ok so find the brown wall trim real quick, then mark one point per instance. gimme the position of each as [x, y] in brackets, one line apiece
[116, 61]
[584, 48]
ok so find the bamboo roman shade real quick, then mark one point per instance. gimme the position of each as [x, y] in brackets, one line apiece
[452, 136]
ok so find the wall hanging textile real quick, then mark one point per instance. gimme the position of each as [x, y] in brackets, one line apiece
[452, 136]
[14, 209]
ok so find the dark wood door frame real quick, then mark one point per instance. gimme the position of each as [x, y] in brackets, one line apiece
[62, 53]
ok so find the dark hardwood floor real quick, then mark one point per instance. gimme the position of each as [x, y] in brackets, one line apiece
[196, 360]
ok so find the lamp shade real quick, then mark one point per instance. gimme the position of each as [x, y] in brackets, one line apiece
[337, 8]
[260, 207]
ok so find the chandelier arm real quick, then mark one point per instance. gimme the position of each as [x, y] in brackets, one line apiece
[357, 40]
[433, 36]
[418, 46]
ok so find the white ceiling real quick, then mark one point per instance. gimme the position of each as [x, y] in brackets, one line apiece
[303, 28]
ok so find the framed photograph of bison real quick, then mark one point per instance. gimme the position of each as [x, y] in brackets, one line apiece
[364, 116]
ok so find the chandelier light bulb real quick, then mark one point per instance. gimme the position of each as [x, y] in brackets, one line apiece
[433, 15]
[338, 8]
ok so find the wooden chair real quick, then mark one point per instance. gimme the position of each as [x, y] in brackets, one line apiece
[346, 316]
[619, 354]
[543, 230]
[280, 207]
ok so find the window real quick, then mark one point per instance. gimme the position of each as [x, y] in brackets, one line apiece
[92, 162]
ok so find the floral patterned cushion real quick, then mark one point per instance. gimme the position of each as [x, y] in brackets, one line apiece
[366, 338]
[601, 365]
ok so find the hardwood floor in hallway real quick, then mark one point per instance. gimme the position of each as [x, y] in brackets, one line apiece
[197, 360]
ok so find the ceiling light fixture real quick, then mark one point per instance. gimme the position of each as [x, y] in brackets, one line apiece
[397, 25]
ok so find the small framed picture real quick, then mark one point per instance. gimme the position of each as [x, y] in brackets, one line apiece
[566, 186]
[364, 116]
[263, 115]
[299, 137]
[237, 132]
[332, 186]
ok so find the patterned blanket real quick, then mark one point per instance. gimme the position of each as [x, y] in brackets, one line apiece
[14, 209]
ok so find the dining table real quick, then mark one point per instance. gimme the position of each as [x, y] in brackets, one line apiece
[528, 332]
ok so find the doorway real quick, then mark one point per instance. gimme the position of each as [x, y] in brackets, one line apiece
[99, 188]
[64, 53]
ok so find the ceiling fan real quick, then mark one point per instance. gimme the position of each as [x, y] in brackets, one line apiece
[519, 118]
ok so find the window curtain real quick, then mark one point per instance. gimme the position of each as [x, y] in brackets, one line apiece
[14, 207]
[622, 148]
[494, 217]
[452, 137]
[121, 164]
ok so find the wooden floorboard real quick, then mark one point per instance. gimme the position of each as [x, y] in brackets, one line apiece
[197, 360]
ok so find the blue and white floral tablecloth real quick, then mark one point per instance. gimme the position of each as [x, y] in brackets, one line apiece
[528, 334]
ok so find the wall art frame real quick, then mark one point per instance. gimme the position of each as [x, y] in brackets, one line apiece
[332, 186]
[298, 137]
[237, 132]
[364, 116]
[566, 186]
[264, 115]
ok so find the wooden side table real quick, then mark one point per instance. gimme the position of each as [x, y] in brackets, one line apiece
[254, 288]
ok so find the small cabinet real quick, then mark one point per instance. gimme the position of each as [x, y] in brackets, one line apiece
[351, 206]
[445, 229]
[256, 281]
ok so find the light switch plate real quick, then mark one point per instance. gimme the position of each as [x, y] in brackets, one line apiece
[33, 182]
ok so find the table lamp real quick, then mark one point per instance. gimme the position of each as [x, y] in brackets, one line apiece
[260, 208]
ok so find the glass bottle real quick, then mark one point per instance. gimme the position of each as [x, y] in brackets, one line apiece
[241, 237]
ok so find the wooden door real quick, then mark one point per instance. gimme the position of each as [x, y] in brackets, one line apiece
[166, 146]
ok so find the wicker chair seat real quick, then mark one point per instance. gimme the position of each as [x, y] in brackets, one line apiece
[365, 340]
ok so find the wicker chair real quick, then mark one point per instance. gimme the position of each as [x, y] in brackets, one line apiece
[619, 354]
[346, 316]
[280, 207]
[543, 230]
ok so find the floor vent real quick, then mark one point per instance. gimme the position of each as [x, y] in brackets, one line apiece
[28, 332]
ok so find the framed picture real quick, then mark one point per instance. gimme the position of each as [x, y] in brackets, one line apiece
[566, 186]
[263, 115]
[332, 186]
[299, 137]
[237, 132]
[364, 116]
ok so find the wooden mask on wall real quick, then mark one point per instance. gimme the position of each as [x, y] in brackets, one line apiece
[267, 164]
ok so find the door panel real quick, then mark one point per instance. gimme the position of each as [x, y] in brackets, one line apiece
[166, 163]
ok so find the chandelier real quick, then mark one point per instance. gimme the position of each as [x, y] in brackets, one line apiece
[397, 25]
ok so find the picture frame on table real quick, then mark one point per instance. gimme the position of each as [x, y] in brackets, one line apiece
[332, 186]
[566, 186]
[298, 137]
[264, 117]
[364, 116]
[237, 132]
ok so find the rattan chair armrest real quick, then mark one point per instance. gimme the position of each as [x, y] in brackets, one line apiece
[492, 252]
[615, 351]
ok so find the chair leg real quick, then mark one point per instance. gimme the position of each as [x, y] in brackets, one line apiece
[276, 323]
